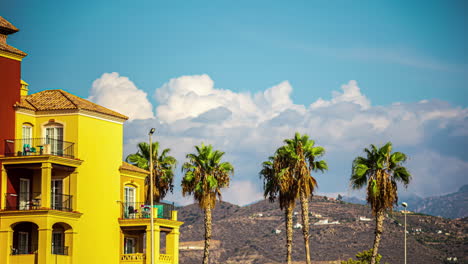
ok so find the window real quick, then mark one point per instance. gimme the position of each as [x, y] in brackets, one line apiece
[23, 242]
[129, 195]
[57, 194]
[54, 138]
[129, 201]
[58, 243]
[27, 134]
[130, 245]
[24, 194]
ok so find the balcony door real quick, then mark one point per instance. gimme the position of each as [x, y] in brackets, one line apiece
[27, 135]
[130, 245]
[58, 243]
[129, 200]
[24, 195]
[57, 194]
[54, 137]
[23, 242]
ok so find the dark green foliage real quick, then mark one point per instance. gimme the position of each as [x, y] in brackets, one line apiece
[363, 257]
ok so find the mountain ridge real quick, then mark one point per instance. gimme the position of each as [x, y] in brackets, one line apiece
[247, 234]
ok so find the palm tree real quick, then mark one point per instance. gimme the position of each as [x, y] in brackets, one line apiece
[380, 170]
[275, 186]
[204, 177]
[301, 158]
[163, 168]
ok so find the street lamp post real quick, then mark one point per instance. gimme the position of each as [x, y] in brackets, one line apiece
[405, 205]
[151, 192]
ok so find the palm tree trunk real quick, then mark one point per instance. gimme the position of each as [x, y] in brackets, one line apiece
[289, 232]
[305, 224]
[207, 235]
[379, 217]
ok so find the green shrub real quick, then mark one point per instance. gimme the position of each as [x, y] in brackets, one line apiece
[363, 257]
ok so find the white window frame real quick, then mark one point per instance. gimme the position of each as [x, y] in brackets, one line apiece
[27, 134]
[24, 196]
[57, 193]
[130, 248]
[54, 133]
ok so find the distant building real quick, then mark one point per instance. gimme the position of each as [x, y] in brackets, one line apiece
[325, 222]
[362, 218]
[297, 226]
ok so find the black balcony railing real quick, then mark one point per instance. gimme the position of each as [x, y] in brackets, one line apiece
[59, 250]
[39, 146]
[142, 210]
[32, 201]
[24, 251]
[22, 201]
[62, 202]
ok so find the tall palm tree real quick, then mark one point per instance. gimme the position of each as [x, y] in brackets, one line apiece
[301, 158]
[380, 170]
[163, 168]
[204, 177]
[277, 186]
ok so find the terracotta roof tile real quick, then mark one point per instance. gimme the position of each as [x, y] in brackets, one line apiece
[6, 27]
[60, 100]
[6, 47]
[130, 167]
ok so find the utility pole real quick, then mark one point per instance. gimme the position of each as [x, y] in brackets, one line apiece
[152, 194]
[405, 205]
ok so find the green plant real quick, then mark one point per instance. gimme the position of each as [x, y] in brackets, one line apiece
[204, 177]
[380, 170]
[163, 169]
[363, 257]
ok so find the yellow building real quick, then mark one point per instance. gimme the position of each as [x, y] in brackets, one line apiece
[65, 194]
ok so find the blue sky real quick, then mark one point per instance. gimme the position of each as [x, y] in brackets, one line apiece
[399, 53]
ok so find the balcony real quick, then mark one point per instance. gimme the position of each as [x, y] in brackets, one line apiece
[141, 258]
[60, 250]
[39, 146]
[164, 258]
[32, 201]
[24, 251]
[133, 258]
[142, 210]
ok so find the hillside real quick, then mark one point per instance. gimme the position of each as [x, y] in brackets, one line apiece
[246, 234]
[453, 205]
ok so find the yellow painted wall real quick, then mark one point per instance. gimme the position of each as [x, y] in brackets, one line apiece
[70, 125]
[99, 144]
[136, 180]
[99, 187]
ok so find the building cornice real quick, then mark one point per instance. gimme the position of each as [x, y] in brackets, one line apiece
[41, 159]
[146, 221]
[11, 55]
[65, 112]
[41, 212]
[130, 173]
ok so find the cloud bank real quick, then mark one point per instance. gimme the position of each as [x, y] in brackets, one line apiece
[249, 127]
[120, 94]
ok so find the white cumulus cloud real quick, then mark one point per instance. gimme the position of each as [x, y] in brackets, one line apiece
[351, 94]
[250, 127]
[120, 94]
